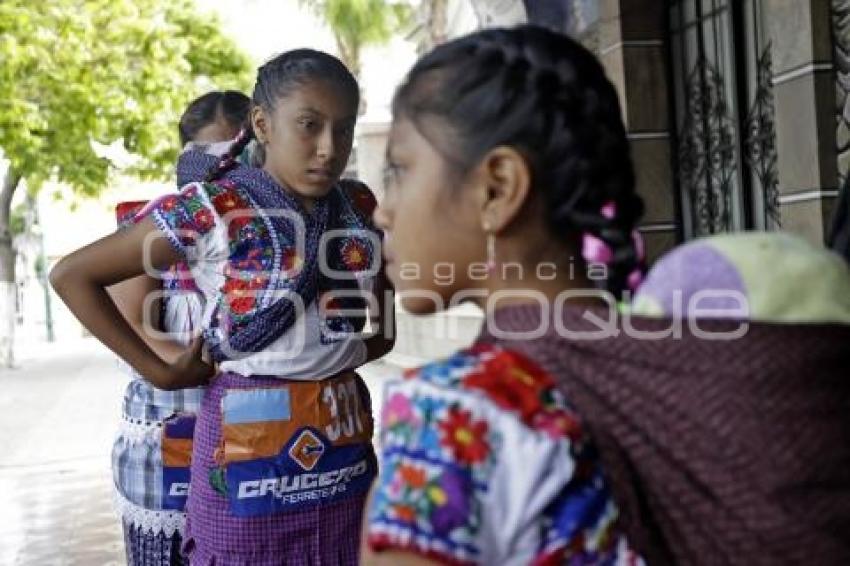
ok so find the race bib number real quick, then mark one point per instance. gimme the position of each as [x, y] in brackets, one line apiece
[295, 446]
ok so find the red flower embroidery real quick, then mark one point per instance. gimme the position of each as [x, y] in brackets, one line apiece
[204, 220]
[168, 203]
[558, 423]
[236, 223]
[512, 382]
[240, 297]
[466, 439]
[355, 256]
[405, 513]
[227, 201]
[413, 476]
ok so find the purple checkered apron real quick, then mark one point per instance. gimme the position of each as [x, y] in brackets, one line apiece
[328, 533]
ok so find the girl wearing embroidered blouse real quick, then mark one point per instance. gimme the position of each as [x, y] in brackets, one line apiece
[282, 455]
[506, 147]
[151, 503]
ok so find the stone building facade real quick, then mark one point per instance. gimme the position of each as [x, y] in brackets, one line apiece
[737, 110]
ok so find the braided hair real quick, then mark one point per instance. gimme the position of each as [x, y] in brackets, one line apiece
[231, 106]
[278, 78]
[546, 95]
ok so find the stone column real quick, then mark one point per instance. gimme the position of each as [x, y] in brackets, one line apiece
[633, 49]
[804, 96]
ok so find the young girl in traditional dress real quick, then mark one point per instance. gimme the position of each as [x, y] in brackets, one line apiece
[507, 148]
[282, 455]
[149, 499]
[566, 435]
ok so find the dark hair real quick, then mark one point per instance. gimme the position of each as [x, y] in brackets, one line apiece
[229, 105]
[546, 95]
[277, 78]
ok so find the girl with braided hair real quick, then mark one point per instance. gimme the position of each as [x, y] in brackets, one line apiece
[567, 434]
[282, 254]
[507, 147]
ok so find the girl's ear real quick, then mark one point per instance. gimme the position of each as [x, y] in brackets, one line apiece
[505, 180]
[260, 122]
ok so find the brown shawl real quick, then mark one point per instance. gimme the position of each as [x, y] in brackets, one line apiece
[717, 452]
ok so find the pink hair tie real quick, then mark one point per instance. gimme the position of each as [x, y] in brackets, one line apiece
[597, 251]
[594, 250]
[640, 247]
[635, 279]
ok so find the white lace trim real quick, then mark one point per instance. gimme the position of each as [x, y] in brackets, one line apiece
[137, 432]
[154, 521]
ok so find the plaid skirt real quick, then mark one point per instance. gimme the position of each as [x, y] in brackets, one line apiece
[327, 533]
[152, 532]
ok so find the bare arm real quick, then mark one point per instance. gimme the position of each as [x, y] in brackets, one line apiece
[129, 296]
[81, 279]
[381, 343]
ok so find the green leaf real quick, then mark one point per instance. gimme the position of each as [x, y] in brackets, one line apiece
[360, 23]
[74, 71]
[217, 481]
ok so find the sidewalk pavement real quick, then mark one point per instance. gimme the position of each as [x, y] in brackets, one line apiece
[59, 410]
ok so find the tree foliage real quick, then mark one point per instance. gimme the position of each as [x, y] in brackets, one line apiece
[75, 72]
[358, 23]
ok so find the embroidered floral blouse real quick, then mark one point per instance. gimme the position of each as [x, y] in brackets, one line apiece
[240, 264]
[483, 462]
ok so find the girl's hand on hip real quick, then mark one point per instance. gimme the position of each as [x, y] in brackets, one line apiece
[189, 370]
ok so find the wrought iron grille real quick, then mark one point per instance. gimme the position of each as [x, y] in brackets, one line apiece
[726, 155]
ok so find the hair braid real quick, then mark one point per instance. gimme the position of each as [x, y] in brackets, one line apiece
[228, 160]
[543, 93]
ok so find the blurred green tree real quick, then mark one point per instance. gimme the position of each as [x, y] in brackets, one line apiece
[78, 73]
[359, 23]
